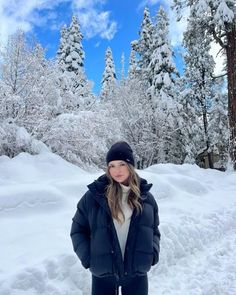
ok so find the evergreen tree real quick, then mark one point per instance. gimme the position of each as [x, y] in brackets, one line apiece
[199, 72]
[63, 50]
[158, 73]
[133, 71]
[162, 90]
[161, 68]
[123, 67]
[109, 77]
[70, 53]
[75, 89]
[218, 18]
[191, 133]
[218, 126]
[144, 46]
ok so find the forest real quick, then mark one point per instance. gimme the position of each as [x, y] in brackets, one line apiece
[165, 115]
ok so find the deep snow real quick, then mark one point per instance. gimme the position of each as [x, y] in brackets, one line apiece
[38, 197]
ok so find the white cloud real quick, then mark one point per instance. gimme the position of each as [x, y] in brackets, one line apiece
[94, 21]
[9, 25]
[148, 3]
[26, 14]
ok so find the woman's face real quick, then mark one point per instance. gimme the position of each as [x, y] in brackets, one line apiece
[119, 171]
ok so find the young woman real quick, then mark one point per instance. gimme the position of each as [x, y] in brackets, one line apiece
[115, 228]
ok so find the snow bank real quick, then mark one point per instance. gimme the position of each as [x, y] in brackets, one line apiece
[38, 197]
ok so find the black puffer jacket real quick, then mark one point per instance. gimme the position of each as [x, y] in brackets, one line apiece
[95, 240]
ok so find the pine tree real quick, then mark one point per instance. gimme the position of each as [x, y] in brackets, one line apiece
[162, 91]
[76, 90]
[219, 20]
[123, 67]
[63, 48]
[218, 126]
[191, 134]
[161, 69]
[144, 46]
[199, 72]
[157, 73]
[133, 71]
[109, 77]
[70, 54]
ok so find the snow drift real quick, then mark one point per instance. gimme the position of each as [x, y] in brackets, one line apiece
[38, 197]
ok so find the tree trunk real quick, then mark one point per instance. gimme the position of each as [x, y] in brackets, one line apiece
[205, 122]
[231, 69]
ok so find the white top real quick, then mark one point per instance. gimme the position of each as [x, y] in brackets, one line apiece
[122, 229]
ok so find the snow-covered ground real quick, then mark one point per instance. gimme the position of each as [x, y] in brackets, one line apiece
[38, 197]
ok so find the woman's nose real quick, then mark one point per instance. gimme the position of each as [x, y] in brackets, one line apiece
[117, 168]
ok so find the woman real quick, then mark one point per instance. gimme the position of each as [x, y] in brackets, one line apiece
[115, 228]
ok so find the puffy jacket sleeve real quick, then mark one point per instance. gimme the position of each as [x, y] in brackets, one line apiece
[156, 235]
[80, 231]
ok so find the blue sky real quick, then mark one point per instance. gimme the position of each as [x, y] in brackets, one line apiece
[104, 23]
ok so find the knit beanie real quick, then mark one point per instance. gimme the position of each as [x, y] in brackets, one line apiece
[120, 151]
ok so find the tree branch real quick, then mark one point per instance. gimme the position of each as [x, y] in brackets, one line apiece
[219, 76]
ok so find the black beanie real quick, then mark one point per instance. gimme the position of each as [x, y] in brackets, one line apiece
[120, 151]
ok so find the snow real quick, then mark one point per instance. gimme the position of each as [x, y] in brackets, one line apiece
[23, 138]
[224, 14]
[38, 197]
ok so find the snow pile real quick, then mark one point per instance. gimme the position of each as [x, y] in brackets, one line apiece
[38, 197]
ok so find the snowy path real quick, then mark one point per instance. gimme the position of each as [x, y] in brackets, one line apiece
[210, 271]
[38, 196]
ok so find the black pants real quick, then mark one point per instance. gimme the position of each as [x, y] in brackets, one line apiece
[129, 286]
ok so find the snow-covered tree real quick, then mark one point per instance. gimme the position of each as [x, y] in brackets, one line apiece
[219, 19]
[191, 133]
[19, 66]
[123, 67]
[23, 71]
[128, 106]
[75, 92]
[218, 127]
[161, 69]
[83, 139]
[70, 53]
[199, 76]
[15, 139]
[133, 71]
[162, 91]
[63, 50]
[75, 89]
[29, 94]
[109, 77]
[157, 73]
[144, 45]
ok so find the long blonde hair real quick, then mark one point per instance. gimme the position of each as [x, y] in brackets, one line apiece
[114, 194]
